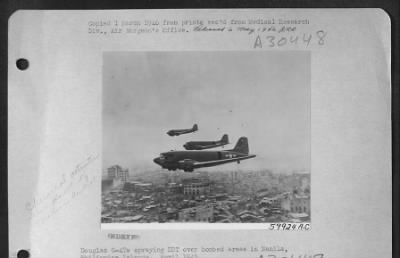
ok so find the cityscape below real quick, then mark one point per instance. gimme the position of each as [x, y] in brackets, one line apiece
[208, 197]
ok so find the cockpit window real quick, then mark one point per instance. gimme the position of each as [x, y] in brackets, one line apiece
[168, 157]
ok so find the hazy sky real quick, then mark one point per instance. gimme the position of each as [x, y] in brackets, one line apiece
[264, 96]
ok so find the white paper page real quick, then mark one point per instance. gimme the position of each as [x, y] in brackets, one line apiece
[309, 89]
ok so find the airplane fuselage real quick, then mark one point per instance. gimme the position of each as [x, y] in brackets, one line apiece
[179, 132]
[202, 145]
[173, 160]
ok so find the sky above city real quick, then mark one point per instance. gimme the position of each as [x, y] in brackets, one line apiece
[264, 96]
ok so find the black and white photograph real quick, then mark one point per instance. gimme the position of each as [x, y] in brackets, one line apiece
[207, 137]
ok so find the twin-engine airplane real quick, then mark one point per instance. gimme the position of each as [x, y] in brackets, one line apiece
[190, 160]
[176, 132]
[201, 145]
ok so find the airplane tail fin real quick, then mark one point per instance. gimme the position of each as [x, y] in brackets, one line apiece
[242, 146]
[195, 127]
[225, 139]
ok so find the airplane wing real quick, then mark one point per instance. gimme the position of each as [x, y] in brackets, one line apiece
[219, 162]
[204, 147]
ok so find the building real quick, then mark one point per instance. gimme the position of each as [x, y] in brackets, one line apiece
[248, 216]
[263, 193]
[116, 172]
[106, 184]
[143, 187]
[221, 196]
[286, 204]
[300, 204]
[135, 218]
[174, 188]
[275, 201]
[129, 186]
[296, 203]
[196, 187]
[202, 213]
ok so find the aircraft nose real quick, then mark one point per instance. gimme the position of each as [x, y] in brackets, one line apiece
[157, 161]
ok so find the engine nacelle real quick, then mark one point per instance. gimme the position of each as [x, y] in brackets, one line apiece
[187, 165]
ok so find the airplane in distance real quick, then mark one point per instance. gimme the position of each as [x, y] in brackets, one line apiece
[201, 145]
[176, 132]
[188, 160]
